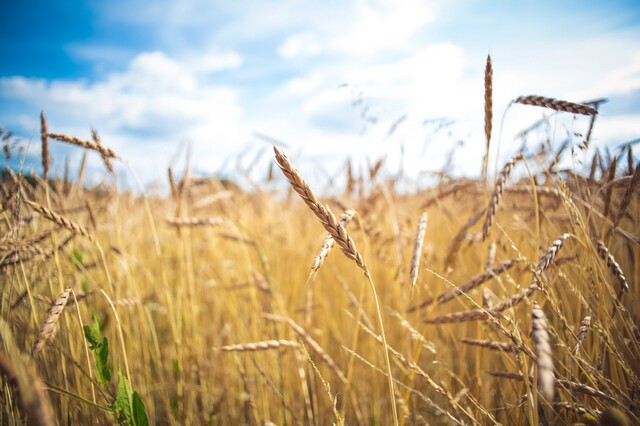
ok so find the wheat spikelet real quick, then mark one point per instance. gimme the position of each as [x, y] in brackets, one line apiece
[49, 328]
[417, 250]
[497, 194]
[259, 346]
[323, 213]
[194, 221]
[102, 150]
[582, 332]
[58, 219]
[606, 255]
[46, 160]
[329, 242]
[556, 105]
[490, 344]
[542, 349]
[488, 111]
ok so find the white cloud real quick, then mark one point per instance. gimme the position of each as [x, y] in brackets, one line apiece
[300, 45]
[143, 111]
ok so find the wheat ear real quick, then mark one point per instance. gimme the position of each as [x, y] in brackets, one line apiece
[259, 346]
[417, 250]
[606, 255]
[46, 160]
[194, 221]
[328, 220]
[93, 145]
[544, 356]
[556, 105]
[488, 111]
[582, 332]
[49, 327]
[58, 219]
[497, 194]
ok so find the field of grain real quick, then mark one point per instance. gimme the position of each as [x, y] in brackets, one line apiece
[511, 299]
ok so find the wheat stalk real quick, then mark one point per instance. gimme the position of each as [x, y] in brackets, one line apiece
[497, 194]
[49, 327]
[542, 349]
[556, 105]
[340, 235]
[417, 250]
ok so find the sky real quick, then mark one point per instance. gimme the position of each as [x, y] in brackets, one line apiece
[329, 80]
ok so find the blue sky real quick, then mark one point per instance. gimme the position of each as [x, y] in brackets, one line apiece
[328, 78]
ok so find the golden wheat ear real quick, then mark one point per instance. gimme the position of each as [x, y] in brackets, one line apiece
[544, 356]
[49, 327]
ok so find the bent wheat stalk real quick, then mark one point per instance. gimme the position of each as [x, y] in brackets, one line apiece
[346, 243]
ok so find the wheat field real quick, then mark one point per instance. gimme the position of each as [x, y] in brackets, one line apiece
[503, 300]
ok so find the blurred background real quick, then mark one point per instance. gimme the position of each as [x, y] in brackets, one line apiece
[330, 80]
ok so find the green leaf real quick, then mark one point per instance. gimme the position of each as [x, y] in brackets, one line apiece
[100, 346]
[122, 406]
[93, 333]
[139, 412]
[102, 358]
